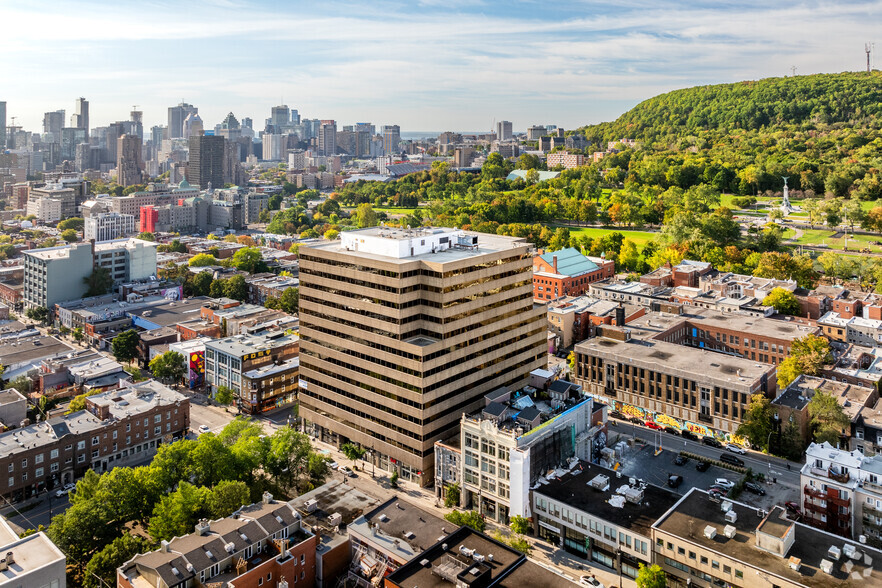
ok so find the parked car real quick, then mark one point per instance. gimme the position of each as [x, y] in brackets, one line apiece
[716, 492]
[689, 435]
[681, 460]
[736, 449]
[590, 581]
[347, 472]
[731, 459]
[652, 425]
[711, 441]
[672, 431]
[717, 488]
[702, 466]
[204, 429]
[333, 465]
[674, 480]
[618, 415]
[755, 488]
[793, 507]
[727, 484]
[636, 421]
[66, 489]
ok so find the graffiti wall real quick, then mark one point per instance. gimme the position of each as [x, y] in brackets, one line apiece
[197, 368]
[664, 420]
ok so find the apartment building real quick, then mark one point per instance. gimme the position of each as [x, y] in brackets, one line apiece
[564, 159]
[46, 210]
[586, 512]
[673, 385]
[108, 226]
[703, 541]
[116, 428]
[405, 330]
[261, 369]
[567, 273]
[262, 544]
[32, 561]
[572, 319]
[851, 329]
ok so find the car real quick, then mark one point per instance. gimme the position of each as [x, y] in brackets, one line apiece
[718, 489]
[333, 465]
[689, 435]
[711, 441]
[716, 492]
[652, 425]
[681, 460]
[672, 431]
[727, 484]
[674, 480]
[731, 460]
[204, 429]
[66, 489]
[793, 507]
[636, 421]
[755, 488]
[736, 449]
[703, 466]
[347, 472]
[590, 581]
[618, 415]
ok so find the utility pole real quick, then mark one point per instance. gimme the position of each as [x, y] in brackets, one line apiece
[868, 49]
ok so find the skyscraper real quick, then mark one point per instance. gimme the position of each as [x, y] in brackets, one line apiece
[327, 138]
[157, 134]
[53, 122]
[137, 119]
[391, 138]
[503, 130]
[2, 125]
[80, 118]
[128, 162]
[280, 117]
[404, 331]
[206, 161]
[176, 117]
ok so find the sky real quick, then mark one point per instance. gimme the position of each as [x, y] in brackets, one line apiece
[426, 65]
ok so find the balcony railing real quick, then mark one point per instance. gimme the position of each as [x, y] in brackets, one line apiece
[814, 492]
[872, 487]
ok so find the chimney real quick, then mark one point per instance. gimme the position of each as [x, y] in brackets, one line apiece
[554, 263]
[267, 498]
[620, 315]
[203, 527]
[163, 546]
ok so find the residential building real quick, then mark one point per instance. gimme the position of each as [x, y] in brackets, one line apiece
[13, 408]
[609, 522]
[117, 427]
[564, 159]
[686, 273]
[30, 561]
[391, 139]
[851, 329]
[129, 164]
[682, 387]
[108, 226]
[503, 130]
[515, 439]
[268, 286]
[572, 319]
[327, 138]
[261, 369]
[448, 465]
[265, 543]
[703, 541]
[394, 385]
[46, 210]
[567, 273]
[206, 163]
[64, 194]
[463, 156]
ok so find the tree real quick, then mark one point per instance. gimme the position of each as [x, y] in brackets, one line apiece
[224, 395]
[202, 260]
[289, 301]
[236, 288]
[176, 514]
[331, 234]
[519, 524]
[200, 284]
[807, 356]
[788, 370]
[783, 301]
[70, 235]
[226, 498]
[75, 223]
[38, 313]
[451, 499]
[78, 334]
[352, 451]
[828, 419]
[101, 569]
[288, 455]
[756, 423]
[81, 530]
[23, 384]
[650, 577]
[78, 403]
[469, 518]
[169, 367]
[393, 479]
[249, 259]
[99, 282]
[146, 236]
[365, 216]
[125, 346]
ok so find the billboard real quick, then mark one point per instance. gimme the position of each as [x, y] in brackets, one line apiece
[197, 368]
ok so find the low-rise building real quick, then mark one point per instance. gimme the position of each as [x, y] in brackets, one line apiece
[567, 273]
[108, 226]
[856, 330]
[565, 159]
[30, 561]
[13, 409]
[571, 319]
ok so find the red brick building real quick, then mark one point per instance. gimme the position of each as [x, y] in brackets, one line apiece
[567, 273]
[686, 273]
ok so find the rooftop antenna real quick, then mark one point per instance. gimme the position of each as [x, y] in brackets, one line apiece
[868, 47]
[793, 70]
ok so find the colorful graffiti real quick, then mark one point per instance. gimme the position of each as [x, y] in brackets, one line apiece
[631, 410]
[197, 368]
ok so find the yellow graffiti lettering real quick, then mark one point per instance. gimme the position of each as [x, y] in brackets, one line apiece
[664, 419]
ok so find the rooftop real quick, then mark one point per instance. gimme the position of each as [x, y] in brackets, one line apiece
[570, 262]
[401, 529]
[574, 490]
[171, 312]
[697, 510]
[29, 554]
[136, 398]
[20, 344]
[244, 344]
[851, 397]
[517, 411]
[317, 506]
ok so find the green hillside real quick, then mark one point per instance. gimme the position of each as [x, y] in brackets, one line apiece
[800, 102]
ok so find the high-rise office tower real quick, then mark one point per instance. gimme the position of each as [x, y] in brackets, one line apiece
[391, 138]
[176, 117]
[366, 128]
[193, 125]
[70, 138]
[295, 117]
[247, 123]
[403, 331]
[128, 162]
[503, 130]
[2, 125]
[157, 134]
[137, 119]
[327, 137]
[206, 161]
[280, 117]
[80, 118]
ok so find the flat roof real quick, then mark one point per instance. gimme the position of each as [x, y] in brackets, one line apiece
[403, 528]
[753, 325]
[172, 312]
[19, 344]
[242, 344]
[851, 397]
[573, 490]
[697, 510]
[136, 398]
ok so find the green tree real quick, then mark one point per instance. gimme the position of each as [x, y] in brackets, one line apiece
[393, 479]
[217, 289]
[519, 524]
[288, 455]
[352, 451]
[78, 334]
[226, 498]
[125, 346]
[629, 257]
[469, 518]
[99, 282]
[365, 216]
[82, 530]
[451, 499]
[176, 514]
[236, 288]
[331, 234]
[289, 301]
[147, 236]
[828, 418]
[70, 235]
[650, 577]
[75, 223]
[38, 313]
[77, 403]
[224, 395]
[169, 367]
[101, 569]
[788, 370]
[202, 260]
[200, 284]
[807, 356]
[756, 423]
[783, 301]
[249, 259]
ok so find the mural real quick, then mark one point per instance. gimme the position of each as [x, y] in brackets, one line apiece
[664, 420]
[197, 368]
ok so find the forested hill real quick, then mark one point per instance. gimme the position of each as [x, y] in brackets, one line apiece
[800, 102]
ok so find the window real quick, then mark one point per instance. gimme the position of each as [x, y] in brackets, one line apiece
[715, 564]
[12, 480]
[53, 454]
[739, 573]
[38, 473]
[157, 418]
[95, 440]
[703, 560]
[24, 463]
[81, 444]
[11, 467]
[38, 458]
[95, 454]
[53, 467]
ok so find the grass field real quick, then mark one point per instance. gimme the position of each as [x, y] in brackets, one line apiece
[638, 237]
[393, 210]
[825, 237]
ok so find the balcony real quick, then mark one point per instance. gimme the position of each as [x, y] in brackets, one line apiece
[872, 487]
[814, 492]
[812, 506]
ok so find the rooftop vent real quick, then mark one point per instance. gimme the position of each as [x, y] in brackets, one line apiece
[726, 506]
[827, 566]
[731, 516]
[383, 518]
[230, 547]
[729, 531]
[795, 562]
[834, 553]
[409, 536]
[710, 531]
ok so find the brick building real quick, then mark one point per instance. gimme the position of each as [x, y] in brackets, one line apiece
[685, 273]
[567, 273]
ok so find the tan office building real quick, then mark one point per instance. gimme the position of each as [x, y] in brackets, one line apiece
[403, 331]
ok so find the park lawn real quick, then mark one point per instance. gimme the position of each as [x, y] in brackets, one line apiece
[825, 237]
[638, 237]
[788, 233]
[395, 210]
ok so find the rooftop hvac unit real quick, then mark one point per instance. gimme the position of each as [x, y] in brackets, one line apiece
[600, 482]
[726, 506]
[710, 531]
[731, 516]
[729, 531]
[335, 519]
[827, 566]
[463, 550]
[834, 553]
[850, 551]
[795, 562]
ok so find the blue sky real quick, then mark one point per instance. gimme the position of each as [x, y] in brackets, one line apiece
[423, 64]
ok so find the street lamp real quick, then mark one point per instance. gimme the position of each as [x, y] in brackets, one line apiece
[619, 558]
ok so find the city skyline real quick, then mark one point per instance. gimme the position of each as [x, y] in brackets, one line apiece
[429, 66]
